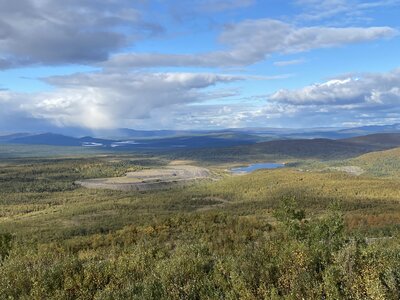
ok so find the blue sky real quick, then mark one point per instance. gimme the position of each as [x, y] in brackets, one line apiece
[201, 64]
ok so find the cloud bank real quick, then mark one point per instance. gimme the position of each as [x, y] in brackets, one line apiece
[362, 98]
[109, 100]
[182, 100]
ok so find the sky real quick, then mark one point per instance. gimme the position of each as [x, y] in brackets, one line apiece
[198, 64]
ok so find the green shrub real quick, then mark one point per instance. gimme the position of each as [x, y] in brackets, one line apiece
[5, 245]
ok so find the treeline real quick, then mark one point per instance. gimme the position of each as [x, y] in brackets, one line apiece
[59, 174]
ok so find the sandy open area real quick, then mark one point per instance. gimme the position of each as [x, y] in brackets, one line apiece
[353, 170]
[150, 179]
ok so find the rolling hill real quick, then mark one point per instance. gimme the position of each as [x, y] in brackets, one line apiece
[264, 132]
[226, 146]
[197, 141]
[53, 139]
[8, 137]
[378, 140]
[312, 148]
[46, 139]
[322, 148]
[325, 149]
[380, 163]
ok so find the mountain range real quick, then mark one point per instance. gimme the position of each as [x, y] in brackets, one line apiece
[359, 139]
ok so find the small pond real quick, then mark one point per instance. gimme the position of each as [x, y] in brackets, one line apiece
[258, 166]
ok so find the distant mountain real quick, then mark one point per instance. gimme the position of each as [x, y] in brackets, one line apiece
[297, 149]
[253, 140]
[320, 148]
[365, 130]
[311, 148]
[46, 139]
[203, 141]
[378, 140]
[328, 133]
[54, 139]
[319, 135]
[261, 132]
[8, 137]
[126, 133]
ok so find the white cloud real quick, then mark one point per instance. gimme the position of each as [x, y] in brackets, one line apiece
[366, 90]
[109, 100]
[372, 98]
[252, 41]
[267, 36]
[343, 10]
[182, 100]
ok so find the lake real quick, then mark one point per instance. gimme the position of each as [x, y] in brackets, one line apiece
[258, 166]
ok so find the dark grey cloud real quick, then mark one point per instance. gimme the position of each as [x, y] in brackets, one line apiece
[252, 41]
[63, 32]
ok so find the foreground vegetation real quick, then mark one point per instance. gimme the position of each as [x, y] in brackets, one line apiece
[277, 234]
[209, 256]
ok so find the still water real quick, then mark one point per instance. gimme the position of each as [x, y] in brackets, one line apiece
[258, 166]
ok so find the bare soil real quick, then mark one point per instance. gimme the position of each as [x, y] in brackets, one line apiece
[353, 170]
[150, 179]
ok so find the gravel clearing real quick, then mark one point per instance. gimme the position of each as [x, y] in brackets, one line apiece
[353, 170]
[151, 179]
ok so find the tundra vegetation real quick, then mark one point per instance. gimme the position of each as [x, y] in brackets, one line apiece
[302, 232]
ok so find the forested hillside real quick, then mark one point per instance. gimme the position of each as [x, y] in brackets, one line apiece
[275, 234]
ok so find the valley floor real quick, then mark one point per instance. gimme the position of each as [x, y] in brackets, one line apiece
[310, 230]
